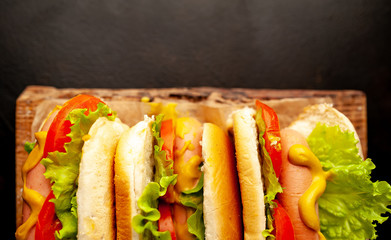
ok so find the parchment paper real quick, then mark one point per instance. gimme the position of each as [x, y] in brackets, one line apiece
[131, 112]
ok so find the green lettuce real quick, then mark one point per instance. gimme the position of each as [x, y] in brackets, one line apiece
[62, 168]
[194, 198]
[270, 179]
[164, 167]
[352, 204]
[28, 146]
[146, 222]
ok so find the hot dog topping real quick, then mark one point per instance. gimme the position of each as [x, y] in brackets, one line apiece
[30, 196]
[352, 204]
[302, 156]
[187, 159]
[167, 110]
[187, 207]
[188, 172]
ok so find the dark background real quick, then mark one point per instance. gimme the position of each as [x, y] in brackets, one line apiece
[301, 44]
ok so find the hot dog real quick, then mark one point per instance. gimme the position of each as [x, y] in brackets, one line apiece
[172, 220]
[176, 179]
[319, 181]
[36, 186]
[79, 136]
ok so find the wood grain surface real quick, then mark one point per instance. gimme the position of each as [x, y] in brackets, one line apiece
[350, 102]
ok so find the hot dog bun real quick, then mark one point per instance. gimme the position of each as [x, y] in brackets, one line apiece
[222, 213]
[249, 171]
[95, 195]
[133, 171]
[134, 166]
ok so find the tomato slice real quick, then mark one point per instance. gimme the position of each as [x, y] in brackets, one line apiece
[272, 135]
[282, 224]
[60, 127]
[165, 221]
[48, 222]
[168, 136]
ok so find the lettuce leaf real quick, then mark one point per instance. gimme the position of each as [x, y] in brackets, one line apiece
[194, 198]
[270, 179]
[164, 166]
[28, 146]
[352, 204]
[62, 168]
[267, 233]
[146, 222]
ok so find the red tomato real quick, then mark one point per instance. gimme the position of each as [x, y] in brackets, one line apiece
[165, 221]
[60, 127]
[168, 136]
[283, 228]
[48, 222]
[272, 136]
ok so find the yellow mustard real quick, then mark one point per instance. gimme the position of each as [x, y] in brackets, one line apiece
[34, 199]
[302, 156]
[167, 110]
[145, 99]
[184, 125]
[86, 137]
[188, 172]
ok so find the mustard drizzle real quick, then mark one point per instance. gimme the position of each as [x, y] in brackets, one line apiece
[302, 156]
[34, 199]
[188, 172]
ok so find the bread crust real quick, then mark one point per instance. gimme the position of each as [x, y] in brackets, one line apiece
[249, 171]
[95, 194]
[222, 210]
[134, 155]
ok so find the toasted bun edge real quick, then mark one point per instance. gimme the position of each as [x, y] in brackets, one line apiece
[95, 194]
[222, 208]
[249, 171]
[134, 155]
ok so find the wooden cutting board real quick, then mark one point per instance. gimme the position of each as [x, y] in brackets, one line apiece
[350, 102]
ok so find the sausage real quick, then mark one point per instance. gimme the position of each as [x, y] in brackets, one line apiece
[295, 180]
[188, 156]
[36, 180]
